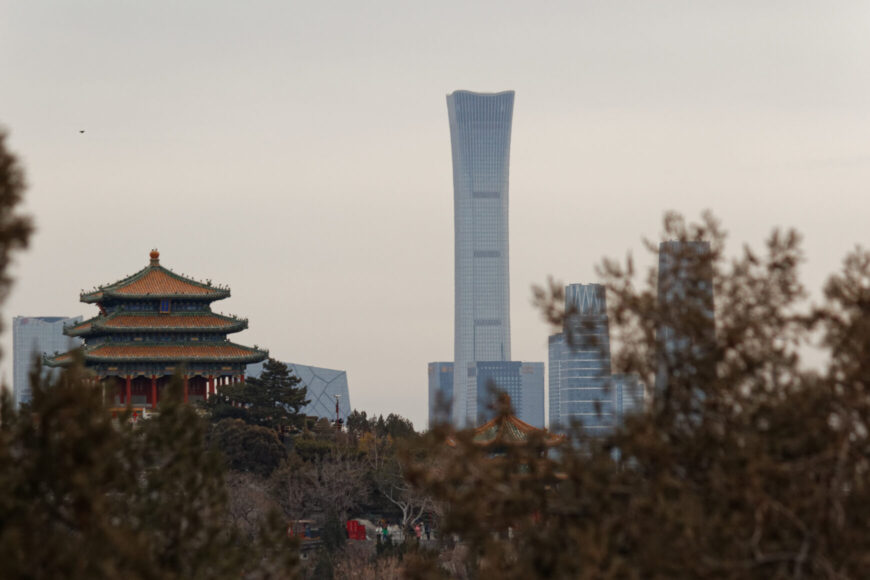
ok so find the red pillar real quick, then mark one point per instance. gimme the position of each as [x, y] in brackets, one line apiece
[186, 380]
[129, 398]
[241, 379]
[210, 385]
[153, 391]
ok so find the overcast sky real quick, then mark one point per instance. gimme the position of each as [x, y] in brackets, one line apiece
[300, 152]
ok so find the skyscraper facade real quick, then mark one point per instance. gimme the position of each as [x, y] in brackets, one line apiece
[480, 135]
[440, 392]
[34, 336]
[685, 341]
[532, 405]
[629, 395]
[523, 382]
[580, 374]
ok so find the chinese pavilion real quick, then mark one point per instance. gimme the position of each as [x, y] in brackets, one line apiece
[505, 430]
[153, 325]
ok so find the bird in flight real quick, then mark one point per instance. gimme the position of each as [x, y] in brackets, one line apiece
[81, 130]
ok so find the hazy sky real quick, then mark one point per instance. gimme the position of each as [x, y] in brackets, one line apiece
[300, 152]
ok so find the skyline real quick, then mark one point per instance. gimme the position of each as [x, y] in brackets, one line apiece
[228, 136]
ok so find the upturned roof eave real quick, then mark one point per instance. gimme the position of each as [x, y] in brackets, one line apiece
[253, 356]
[78, 329]
[99, 327]
[102, 296]
[64, 360]
[55, 361]
[526, 430]
[112, 290]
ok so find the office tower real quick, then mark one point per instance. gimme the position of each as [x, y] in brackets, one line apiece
[629, 395]
[531, 407]
[440, 392]
[523, 382]
[580, 388]
[323, 385]
[685, 342]
[36, 336]
[480, 134]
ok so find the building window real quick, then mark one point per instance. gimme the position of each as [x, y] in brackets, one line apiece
[164, 306]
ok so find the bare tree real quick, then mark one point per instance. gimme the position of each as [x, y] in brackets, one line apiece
[331, 484]
[389, 479]
[250, 502]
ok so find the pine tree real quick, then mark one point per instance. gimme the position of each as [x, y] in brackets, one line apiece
[271, 400]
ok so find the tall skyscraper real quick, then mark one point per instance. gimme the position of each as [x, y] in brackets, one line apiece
[580, 377]
[36, 336]
[685, 342]
[480, 135]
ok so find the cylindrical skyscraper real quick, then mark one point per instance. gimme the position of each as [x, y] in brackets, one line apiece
[480, 137]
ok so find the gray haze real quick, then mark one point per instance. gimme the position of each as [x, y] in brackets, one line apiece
[300, 153]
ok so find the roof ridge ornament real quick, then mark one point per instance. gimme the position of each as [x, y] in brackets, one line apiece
[155, 257]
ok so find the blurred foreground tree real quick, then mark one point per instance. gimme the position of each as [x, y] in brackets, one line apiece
[15, 229]
[746, 464]
[88, 496]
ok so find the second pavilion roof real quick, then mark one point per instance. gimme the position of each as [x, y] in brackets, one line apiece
[147, 321]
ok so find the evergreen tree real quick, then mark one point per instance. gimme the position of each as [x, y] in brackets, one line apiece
[273, 399]
[357, 423]
[248, 448]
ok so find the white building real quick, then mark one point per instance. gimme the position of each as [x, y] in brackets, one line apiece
[34, 336]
